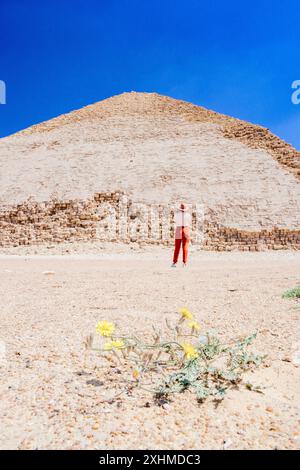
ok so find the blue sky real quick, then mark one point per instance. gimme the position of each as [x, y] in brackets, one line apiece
[236, 57]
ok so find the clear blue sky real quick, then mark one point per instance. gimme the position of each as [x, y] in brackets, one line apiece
[236, 57]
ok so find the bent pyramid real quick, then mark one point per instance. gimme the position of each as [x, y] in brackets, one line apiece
[156, 150]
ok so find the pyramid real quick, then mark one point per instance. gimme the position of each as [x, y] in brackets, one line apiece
[156, 150]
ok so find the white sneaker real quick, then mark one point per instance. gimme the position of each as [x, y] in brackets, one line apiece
[173, 265]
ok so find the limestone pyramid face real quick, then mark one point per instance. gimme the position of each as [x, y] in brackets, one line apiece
[157, 150]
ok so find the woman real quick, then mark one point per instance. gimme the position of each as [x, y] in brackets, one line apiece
[183, 222]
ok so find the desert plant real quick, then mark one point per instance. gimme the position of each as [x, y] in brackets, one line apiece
[183, 360]
[292, 293]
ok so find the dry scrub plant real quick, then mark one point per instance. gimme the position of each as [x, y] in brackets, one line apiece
[181, 361]
[292, 293]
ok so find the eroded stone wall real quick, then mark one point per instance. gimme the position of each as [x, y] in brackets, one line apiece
[114, 217]
[227, 239]
[261, 138]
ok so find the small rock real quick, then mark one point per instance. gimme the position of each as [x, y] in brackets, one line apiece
[227, 443]
[96, 383]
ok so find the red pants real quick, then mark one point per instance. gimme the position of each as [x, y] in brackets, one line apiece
[181, 237]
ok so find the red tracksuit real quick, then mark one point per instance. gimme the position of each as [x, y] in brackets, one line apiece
[182, 236]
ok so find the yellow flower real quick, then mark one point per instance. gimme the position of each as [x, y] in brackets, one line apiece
[135, 374]
[105, 328]
[185, 313]
[116, 344]
[189, 351]
[194, 325]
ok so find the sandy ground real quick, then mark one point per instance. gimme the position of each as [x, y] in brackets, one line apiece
[46, 402]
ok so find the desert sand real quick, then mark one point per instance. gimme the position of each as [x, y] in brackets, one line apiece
[56, 395]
